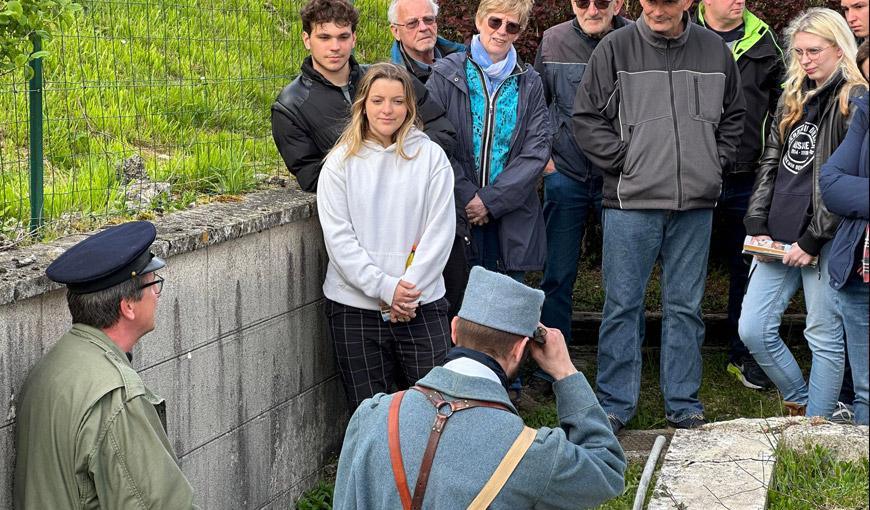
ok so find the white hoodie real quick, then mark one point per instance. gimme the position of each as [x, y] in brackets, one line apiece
[374, 207]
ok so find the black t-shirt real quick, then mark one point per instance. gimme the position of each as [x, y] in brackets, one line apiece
[792, 205]
[731, 36]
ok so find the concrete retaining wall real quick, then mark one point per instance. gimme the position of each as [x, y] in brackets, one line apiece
[255, 408]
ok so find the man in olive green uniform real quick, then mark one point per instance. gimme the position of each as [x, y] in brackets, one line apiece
[89, 433]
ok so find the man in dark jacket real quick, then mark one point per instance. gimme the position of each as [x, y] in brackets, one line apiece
[414, 24]
[310, 113]
[760, 61]
[572, 185]
[660, 111]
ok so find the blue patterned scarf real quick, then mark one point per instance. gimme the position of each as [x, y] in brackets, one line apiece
[495, 73]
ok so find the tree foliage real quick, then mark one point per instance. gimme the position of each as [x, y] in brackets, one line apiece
[456, 18]
[23, 20]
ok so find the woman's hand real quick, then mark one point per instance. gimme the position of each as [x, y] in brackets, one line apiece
[796, 257]
[404, 306]
[477, 213]
[762, 258]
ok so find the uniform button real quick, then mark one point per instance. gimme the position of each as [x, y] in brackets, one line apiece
[455, 79]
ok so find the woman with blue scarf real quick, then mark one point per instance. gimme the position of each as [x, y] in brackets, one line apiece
[496, 103]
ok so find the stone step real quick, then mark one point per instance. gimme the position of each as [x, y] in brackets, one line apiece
[722, 465]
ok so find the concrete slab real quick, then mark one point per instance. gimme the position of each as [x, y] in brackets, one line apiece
[7, 446]
[847, 442]
[722, 465]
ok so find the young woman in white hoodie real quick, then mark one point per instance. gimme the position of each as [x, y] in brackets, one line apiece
[385, 201]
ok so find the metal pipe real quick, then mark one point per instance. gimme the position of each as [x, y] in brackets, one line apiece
[36, 156]
[648, 470]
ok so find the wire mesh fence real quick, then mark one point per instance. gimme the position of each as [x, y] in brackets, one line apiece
[150, 104]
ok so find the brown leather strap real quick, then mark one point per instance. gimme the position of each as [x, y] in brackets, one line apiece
[444, 409]
[396, 451]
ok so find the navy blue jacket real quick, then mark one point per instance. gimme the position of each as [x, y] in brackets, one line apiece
[513, 197]
[561, 61]
[844, 185]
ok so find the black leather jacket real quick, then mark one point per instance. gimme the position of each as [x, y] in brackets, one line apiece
[310, 113]
[823, 225]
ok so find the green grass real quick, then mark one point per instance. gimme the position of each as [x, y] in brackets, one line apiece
[723, 397]
[185, 85]
[320, 496]
[815, 479]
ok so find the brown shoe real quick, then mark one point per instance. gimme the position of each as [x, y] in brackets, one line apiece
[795, 409]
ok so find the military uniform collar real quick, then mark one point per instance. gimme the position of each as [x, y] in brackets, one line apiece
[100, 339]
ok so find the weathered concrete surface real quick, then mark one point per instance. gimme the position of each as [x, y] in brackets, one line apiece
[722, 465]
[846, 442]
[254, 405]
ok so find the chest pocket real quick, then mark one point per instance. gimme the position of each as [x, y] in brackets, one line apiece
[705, 95]
[567, 78]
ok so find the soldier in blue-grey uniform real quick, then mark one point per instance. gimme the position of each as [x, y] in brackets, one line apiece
[90, 434]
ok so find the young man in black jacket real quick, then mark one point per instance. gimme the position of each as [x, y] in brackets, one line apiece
[310, 113]
[760, 61]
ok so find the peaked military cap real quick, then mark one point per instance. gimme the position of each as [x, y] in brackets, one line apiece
[107, 258]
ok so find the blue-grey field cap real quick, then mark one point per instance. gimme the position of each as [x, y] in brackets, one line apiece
[500, 302]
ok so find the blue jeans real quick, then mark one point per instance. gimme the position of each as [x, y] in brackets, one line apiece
[485, 251]
[851, 304]
[728, 218]
[771, 287]
[567, 204]
[633, 241]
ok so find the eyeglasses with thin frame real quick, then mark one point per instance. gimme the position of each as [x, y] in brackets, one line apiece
[811, 53]
[412, 24]
[509, 26]
[158, 281]
[599, 4]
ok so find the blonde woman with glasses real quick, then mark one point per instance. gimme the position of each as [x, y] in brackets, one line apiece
[385, 201]
[786, 206]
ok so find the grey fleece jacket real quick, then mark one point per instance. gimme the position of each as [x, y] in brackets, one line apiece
[662, 117]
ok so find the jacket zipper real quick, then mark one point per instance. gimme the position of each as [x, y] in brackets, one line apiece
[676, 128]
[697, 96]
[488, 131]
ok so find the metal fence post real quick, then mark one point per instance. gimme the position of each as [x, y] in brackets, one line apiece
[36, 163]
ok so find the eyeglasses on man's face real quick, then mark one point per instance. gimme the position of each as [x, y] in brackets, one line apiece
[509, 26]
[811, 53]
[157, 283]
[412, 24]
[599, 4]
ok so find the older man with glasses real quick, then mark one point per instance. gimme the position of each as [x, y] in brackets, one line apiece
[90, 433]
[572, 184]
[414, 24]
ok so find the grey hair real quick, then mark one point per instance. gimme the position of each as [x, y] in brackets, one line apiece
[101, 309]
[393, 10]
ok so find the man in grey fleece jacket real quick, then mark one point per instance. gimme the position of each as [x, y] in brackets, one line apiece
[660, 110]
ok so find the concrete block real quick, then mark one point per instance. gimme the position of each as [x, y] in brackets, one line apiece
[219, 386]
[22, 344]
[269, 457]
[238, 279]
[846, 442]
[721, 465]
[181, 323]
[297, 263]
[7, 471]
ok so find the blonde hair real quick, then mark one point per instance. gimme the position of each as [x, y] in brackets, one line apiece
[357, 129]
[522, 8]
[828, 25]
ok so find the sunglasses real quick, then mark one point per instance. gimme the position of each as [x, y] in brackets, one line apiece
[509, 26]
[414, 23]
[599, 4]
